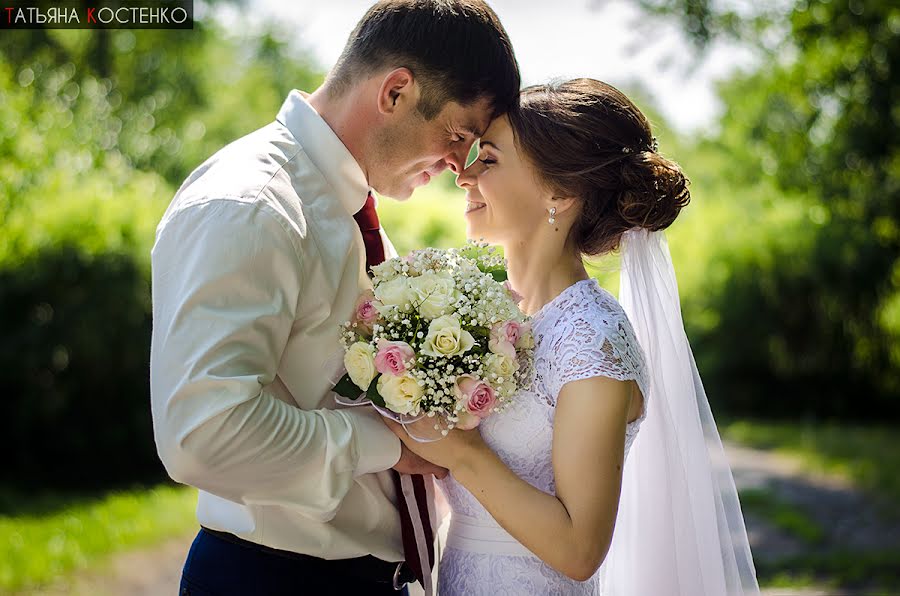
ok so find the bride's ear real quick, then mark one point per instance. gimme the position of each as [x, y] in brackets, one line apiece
[561, 204]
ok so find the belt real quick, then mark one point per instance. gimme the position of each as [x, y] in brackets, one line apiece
[476, 535]
[367, 568]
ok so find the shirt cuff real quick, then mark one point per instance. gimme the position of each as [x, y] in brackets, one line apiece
[377, 446]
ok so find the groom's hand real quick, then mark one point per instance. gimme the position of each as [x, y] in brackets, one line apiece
[410, 463]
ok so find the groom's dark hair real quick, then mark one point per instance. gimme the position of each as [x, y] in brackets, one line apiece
[456, 49]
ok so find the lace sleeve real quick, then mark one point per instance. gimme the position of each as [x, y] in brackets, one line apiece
[596, 347]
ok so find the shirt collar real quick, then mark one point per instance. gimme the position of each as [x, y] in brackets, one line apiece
[325, 150]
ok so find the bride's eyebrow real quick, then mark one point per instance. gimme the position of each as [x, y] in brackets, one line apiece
[483, 143]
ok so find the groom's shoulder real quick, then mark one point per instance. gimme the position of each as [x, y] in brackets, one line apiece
[247, 171]
[242, 168]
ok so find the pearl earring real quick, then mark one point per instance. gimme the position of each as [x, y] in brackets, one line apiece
[552, 219]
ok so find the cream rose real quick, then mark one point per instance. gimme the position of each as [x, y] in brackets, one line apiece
[501, 365]
[359, 360]
[395, 292]
[446, 338]
[435, 293]
[526, 340]
[401, 393]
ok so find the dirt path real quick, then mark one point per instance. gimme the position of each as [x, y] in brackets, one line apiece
[846, 515]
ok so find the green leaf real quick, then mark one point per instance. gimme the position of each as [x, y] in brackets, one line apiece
[499, 275]
[373, 394]
[347, 388]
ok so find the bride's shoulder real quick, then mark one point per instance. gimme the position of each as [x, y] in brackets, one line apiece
[592, 306]
[591, 336]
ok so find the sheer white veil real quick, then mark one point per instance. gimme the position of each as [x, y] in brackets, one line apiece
[679, 530]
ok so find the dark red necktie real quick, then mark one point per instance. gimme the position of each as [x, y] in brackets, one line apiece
[412, 494]
[367, 220]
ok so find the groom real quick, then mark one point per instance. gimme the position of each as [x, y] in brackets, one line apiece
[257, 262]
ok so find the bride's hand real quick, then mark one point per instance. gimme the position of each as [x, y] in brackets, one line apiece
[448, 452]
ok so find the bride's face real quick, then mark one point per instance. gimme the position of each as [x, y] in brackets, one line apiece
[504, 200]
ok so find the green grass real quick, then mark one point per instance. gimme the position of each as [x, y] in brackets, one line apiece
[784, 515]
[868, 572]
[868, 456]
[45, 539]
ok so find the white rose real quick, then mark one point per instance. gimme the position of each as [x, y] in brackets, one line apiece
[435, 293]
[359, 360]
[395, 292]
[446, 338]
[501, 365]
[401, 393]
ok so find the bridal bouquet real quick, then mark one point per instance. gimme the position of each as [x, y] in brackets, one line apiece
[441, 337]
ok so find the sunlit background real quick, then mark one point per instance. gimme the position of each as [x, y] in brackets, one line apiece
[784, 114]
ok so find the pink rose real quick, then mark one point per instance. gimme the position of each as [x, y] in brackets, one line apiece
[393, 357]
[365, 315]
[516, 297]
[504, 337]
[477, 397]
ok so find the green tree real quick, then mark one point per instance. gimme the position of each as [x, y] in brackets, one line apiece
[819, 320]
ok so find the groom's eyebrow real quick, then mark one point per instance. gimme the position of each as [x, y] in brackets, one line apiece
[469, 129]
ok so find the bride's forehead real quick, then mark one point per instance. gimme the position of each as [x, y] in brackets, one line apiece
[499, 133]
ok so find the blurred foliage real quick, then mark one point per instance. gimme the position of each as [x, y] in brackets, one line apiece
[74, 357]
[811, 319]
[164, 100]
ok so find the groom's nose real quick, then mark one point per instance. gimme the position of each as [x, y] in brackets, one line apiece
[456, 159]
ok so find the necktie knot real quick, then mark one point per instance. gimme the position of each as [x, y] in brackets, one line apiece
[367, 220]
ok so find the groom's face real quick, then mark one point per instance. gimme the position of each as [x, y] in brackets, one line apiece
[414, 150]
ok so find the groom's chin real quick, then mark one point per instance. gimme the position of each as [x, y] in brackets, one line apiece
[401, 193]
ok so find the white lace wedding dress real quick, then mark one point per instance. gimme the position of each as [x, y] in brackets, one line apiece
[582, 333]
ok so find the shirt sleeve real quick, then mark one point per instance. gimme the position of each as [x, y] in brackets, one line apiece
[589, 349]
[226, 283]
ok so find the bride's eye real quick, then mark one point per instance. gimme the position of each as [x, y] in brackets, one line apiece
[487, 161]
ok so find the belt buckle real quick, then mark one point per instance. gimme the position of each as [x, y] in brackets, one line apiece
[397, 585]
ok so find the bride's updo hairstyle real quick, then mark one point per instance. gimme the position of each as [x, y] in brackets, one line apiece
[588, 141]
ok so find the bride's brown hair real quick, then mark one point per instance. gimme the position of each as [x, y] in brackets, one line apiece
[588, 140]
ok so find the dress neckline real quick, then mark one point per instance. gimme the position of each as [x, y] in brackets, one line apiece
[559, 296]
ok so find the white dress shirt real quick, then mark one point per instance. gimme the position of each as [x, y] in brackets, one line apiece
[257, 263]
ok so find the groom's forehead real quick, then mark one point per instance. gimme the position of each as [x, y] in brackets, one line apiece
[475, 117]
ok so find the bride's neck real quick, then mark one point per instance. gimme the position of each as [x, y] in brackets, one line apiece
[541, 273]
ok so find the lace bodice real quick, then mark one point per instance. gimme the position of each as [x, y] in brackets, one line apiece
[582, 333]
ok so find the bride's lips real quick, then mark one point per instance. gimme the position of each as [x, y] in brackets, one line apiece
[472, 206]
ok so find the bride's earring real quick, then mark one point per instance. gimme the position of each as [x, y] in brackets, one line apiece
[552, 219]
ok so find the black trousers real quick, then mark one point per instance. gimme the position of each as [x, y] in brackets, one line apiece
[225, 565]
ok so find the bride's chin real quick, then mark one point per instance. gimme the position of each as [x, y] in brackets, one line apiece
[478, 233]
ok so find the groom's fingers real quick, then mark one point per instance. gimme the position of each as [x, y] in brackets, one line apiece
[410, 463]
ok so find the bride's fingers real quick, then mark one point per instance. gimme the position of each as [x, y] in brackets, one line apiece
[396, 427]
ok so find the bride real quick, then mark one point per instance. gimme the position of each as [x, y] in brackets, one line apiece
[542, 499]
